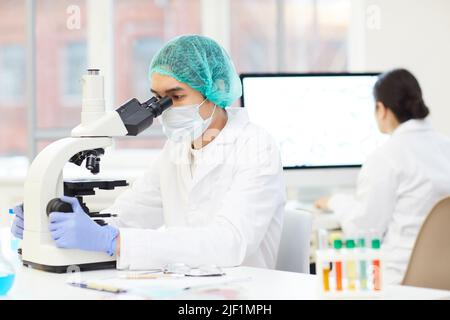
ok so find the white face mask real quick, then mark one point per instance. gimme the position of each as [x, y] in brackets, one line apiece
[181, 122]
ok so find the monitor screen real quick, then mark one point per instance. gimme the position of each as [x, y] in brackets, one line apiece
[319, 120]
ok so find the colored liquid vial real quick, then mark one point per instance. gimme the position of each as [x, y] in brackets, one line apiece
[362, 267]
[351, 267]
[337, 244]
[376, 267]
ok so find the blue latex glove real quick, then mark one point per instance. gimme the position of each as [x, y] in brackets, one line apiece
[17, 226]
[76, 230]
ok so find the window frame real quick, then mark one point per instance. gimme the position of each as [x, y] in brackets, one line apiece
[215, 23]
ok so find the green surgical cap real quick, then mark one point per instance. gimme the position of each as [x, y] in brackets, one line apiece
[201, 63]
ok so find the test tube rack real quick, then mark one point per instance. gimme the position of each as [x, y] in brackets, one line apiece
[345, 274]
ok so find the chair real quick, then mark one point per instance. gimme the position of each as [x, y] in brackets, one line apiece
[429, 265]
[293, 253]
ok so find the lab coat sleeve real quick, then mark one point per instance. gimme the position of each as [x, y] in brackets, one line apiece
[140, 206]
[256, 194]
[371, 208]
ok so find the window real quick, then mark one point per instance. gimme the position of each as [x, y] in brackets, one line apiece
[12, 74]
[60, 61]
[74, 65]
[141, 27]
[283, 35]
[289, 35]
[13, 129]
[143, 49]
[315, 35]
[254, 36]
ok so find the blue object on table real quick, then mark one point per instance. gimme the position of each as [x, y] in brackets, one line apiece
[15, 241]
[6, 274]
[6, 283]
[18, 222]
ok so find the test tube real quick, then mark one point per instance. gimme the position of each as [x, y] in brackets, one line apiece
[376, 266]
[362, 265]
[337, 244]
[323, 245]
[351, 266]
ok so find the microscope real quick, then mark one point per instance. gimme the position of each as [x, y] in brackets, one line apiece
[44, 182]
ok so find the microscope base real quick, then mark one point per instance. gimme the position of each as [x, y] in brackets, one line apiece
[71, 268]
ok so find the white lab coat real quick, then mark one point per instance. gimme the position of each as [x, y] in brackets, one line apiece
[228, 214]
[397, 187]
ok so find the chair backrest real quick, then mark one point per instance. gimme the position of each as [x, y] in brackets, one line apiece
[429, 265]
[293, 253]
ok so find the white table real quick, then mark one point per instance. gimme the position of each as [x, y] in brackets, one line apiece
[263, 284]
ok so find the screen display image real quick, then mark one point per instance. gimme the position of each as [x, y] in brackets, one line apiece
[318, 120]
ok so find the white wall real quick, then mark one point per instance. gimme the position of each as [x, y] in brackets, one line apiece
[414, 34]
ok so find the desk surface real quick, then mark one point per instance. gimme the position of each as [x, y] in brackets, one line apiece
[263, 284]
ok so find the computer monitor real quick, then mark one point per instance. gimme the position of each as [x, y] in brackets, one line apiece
[324, 123]
[319, 120]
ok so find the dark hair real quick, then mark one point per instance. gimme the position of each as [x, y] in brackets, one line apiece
[400, 92]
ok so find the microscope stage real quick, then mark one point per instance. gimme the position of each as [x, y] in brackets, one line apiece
[83, 187]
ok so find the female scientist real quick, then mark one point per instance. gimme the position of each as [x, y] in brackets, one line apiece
[214, 195]
[401, 181]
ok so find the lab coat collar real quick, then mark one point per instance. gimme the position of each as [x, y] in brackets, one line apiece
[237, 120]
[413, 125]
[222, 144]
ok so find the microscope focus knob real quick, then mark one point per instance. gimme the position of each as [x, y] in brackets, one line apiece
[57, 204]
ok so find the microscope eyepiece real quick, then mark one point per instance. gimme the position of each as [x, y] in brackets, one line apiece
[158, 106]
[149, 102]
[138, 116]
